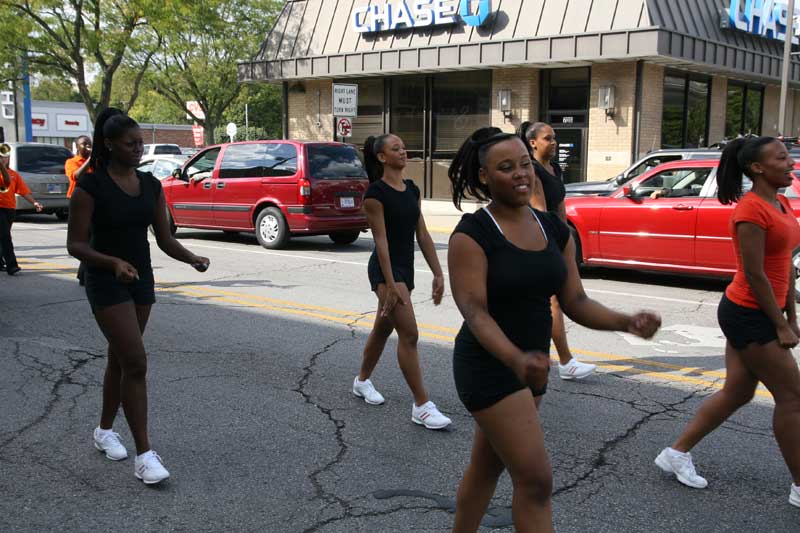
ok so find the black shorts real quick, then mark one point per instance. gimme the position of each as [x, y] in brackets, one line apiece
[105, 291]
[482, 380]
[744, 325]
[401, 273]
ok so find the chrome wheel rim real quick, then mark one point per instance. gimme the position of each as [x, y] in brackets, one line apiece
[269, 228]
[796, 263]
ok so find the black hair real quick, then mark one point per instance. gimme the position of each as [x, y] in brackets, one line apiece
[528, 131]
[372, 147]
[79, 137]
[470, 158]
[737, 157]
[111, 123]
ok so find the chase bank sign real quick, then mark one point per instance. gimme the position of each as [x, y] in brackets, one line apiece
[766, 18]
[401, 14]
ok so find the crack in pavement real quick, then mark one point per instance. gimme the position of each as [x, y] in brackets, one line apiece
[609, 445]
[58, 377]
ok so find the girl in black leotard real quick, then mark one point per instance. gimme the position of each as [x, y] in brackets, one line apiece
[116, 204]
[394, 214]
[505, 263]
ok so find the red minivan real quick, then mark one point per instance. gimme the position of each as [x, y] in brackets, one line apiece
[276, 188]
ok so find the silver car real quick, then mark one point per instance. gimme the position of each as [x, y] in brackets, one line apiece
[42, 167]
[161, 166]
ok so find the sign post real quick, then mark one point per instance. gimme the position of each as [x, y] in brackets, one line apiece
[787, 63]
[231, 130]
[345, 106]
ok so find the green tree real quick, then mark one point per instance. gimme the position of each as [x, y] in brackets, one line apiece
[54, 90]
[81, 38]
[264, 104]
[197, 61]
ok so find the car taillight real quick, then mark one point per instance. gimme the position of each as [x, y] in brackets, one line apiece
[304, 187]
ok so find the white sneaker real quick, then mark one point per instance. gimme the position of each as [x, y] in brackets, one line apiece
[149, 468]
[680, 464]
[108, 441]
[365, 389]
[794, 495]
[429, 416]
[575, 370]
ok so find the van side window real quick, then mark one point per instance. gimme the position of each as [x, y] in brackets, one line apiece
[258, 160]
[203, 166]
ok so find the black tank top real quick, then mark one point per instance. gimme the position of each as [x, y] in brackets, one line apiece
[120, 221]
[519, 283]
[400, 217]
[552, 185]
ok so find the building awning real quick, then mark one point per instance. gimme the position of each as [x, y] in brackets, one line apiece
[319, 39]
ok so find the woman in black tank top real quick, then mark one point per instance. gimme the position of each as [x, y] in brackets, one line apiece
[394, 214]
[505, 263]
[116, 204]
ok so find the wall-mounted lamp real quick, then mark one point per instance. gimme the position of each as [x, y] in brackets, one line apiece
[605, 99]
[504, 102]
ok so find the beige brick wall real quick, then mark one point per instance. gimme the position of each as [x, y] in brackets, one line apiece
[611, 138]
[769, 122]
[524, 85]
[308, 107]
[719, 102]
[652, 108]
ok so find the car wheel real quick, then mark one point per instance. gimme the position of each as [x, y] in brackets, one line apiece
[796, 263]
[344, 237]
[271, 229]
[62, 214]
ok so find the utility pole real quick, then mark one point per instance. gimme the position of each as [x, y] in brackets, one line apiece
[246, 124]
[787, 65]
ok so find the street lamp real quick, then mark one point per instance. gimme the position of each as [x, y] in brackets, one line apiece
[787, 63]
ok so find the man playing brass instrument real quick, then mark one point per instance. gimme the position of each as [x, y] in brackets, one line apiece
[11, 184]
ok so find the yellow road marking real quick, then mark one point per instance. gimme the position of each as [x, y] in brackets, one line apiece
[355, 319]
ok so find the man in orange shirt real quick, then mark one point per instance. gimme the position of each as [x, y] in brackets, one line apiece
[11, 184]
[76, 166]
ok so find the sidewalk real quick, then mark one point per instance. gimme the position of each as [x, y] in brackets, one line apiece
[441, 216]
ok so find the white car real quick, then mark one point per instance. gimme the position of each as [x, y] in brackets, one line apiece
[161, 149]
[161, 166]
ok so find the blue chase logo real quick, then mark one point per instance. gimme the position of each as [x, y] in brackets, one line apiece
[403, 14]
[766, 18]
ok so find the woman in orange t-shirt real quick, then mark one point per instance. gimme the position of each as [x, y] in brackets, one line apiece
[757, 313]
[74, 167]
[11, 184]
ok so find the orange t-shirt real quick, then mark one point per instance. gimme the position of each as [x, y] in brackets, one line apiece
[782, 237]
[18, 186]
[70, 167]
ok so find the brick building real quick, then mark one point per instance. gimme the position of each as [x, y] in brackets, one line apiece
[682, 74]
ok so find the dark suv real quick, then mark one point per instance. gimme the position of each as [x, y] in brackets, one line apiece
[276, 188]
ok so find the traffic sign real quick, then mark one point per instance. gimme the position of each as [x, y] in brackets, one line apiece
[231, 130]
[344, 128]
[345, 100]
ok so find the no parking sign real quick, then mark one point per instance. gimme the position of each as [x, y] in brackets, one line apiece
[344, 128]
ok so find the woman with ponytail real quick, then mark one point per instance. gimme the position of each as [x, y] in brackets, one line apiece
[394, 213]
[541, 140]
[506, 261]
[115, 204]
[757, 312]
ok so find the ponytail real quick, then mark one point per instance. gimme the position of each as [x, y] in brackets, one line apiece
[464, 171]
[111, 123]
[528, 131]
[372, 147]
[737, 157]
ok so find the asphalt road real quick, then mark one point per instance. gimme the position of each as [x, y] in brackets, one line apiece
[250, 368]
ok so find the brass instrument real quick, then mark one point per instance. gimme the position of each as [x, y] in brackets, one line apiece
[5, 151]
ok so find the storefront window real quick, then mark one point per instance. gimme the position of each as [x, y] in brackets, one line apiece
[408, 110]
[685, 115]
[370, 111]
[743, 110]
[461, 105]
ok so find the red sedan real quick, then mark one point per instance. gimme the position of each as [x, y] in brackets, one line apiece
[668, 219]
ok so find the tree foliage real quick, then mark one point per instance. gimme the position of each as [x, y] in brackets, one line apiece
[197, 59]
[54, 90]
[81, 39]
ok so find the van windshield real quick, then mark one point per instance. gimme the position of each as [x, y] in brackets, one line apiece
[171, 149]
[42, 159]
[334, 162]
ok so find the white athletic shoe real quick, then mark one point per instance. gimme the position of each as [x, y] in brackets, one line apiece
[429, 416]
[680, 464]
[365, 389]
[794, 495]
[107, 441]
[575, 370]
[149, 468]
